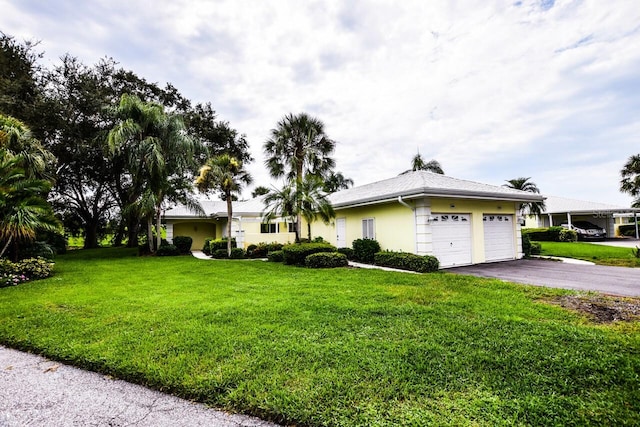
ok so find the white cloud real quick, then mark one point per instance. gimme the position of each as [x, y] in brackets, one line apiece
[492, 89]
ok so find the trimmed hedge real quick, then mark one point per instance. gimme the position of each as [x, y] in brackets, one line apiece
[183, 243]
[326, 260]
[237, 253]
[347, 251]
[168, 250]
[568, 235]
[295, 254]
[407, 261]
[275, 256]
[551, 234]
[364, 250]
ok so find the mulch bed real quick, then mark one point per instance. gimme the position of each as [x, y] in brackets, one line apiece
[601, 308]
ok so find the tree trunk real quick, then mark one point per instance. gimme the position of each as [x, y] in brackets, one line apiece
[309, 231]
[150, 233]
[158, 225]
[119, 235]
[229, 219]
[132, 232]
[4, 249]
[90, 234]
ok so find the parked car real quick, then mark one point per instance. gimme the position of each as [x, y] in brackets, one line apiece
[587, 230]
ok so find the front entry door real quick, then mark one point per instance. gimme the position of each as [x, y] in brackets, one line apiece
[341, 232]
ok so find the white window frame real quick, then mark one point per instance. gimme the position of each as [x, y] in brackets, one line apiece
[273, 228]
[369, 228]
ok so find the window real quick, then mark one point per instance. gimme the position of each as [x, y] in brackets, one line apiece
[292, 227]
[269, 228]
[368, 229]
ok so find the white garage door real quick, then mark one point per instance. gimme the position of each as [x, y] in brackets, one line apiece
[498, 237]
[451, 237]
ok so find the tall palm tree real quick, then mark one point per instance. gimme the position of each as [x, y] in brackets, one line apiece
[23, 209]
[158, 154]
[523, 184]
[227, 175]
[299, 146]
[630, 182]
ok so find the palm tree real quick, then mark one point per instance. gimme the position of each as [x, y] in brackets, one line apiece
[299, 146]
[226, 174]
[281, 203]
[418, 164]
[16, 138]
[630, 182]
[314, 202]
[158, 154]
[523, 184]
[23, 209]
[335, 182]
[259, 191]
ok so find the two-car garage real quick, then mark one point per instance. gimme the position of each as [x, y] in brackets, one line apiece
[453, 237]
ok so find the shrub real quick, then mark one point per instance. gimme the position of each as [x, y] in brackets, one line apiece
[183, 243]
[407, 261]
[365, 249]
[205, 247]
[219, 254]
[38, 249]
[526, 245]
[168, 250]
[55, 239]
[257, 251]
[10, 279]
[237, 253]
[6, 266]
[347, 251]
[275, 246]
[554, 233]
[295, 254]
[221, 244]
[326, 260]
[537, 234]
[536, 248]
[568, 235]
[635, 252]
[275, 256]
[34, 268]
[318, 239]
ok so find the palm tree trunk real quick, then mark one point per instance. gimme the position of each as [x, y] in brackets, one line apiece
[229, 219]
[309, 231]
[4, 249]
[150, 233]
[158, 225]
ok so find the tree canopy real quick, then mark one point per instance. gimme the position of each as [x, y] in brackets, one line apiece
[524, 184]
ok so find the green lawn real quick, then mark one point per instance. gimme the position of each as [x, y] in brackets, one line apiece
[599, 254]
[344, 347]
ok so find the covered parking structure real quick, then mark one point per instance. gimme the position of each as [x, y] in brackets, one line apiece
[561, 211]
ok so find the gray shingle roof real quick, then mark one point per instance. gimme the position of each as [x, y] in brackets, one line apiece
[424, 183]
[562, 205]
[218, 208]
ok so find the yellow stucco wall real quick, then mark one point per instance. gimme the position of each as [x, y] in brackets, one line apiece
[393, 223]
[477, 208]
[198, 230]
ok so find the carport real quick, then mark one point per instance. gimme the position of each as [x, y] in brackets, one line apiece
[560, 211]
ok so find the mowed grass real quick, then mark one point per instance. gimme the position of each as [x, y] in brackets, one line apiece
[344, 347]
[599, 254]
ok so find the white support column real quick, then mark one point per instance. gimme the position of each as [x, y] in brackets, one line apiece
[635, 221]
[569, 219]
[424, 245]
[550, 220]
[169, 227]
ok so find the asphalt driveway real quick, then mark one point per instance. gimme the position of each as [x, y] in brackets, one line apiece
[610, 280]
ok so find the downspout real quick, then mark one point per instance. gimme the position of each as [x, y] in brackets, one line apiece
[415, 231]
[405, 204]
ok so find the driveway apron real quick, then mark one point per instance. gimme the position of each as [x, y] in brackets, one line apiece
[609, 280]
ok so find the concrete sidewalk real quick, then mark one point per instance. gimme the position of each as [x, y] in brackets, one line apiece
[35, 391]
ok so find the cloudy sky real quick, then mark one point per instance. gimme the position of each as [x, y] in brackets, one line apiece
[493, 90]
